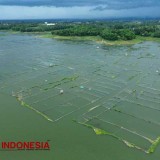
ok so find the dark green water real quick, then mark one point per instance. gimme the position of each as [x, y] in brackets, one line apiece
[116, 89]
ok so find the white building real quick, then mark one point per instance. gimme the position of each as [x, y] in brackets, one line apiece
[49, 24]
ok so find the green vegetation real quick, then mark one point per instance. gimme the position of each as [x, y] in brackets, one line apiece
[62, 81]
[154, 145]
[106, 32]
[102, 132]
[99, 131]
[32, 108]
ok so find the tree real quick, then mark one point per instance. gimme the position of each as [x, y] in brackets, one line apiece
[109, 35]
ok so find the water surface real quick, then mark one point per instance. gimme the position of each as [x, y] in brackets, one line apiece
[113, 88]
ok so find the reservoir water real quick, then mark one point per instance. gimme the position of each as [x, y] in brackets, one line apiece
[89, 101]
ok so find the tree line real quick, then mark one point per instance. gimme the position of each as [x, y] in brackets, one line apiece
[112, 30]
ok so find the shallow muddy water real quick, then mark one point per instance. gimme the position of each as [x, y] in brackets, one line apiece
[65, 91]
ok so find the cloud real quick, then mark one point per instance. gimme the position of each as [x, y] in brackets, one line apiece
[52, 12]
[27, 2]
[57, 3]
[109, 4]
[127, 4]
[33, 9]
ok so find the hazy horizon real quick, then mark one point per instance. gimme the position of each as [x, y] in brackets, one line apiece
[85, 19]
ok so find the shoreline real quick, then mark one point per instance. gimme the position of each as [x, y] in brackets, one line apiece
[97, 39]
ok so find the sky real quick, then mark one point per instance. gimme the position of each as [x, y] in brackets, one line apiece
[78, 9]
